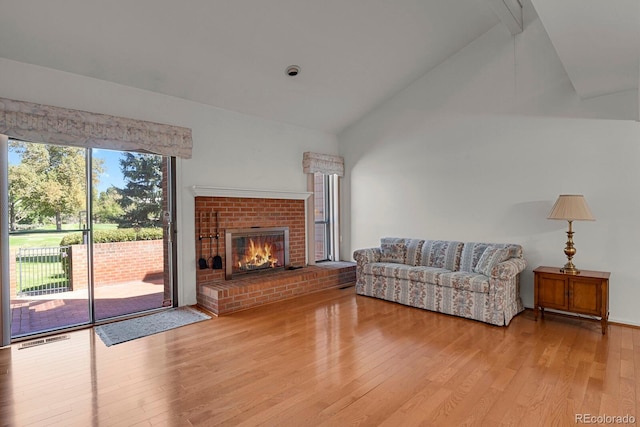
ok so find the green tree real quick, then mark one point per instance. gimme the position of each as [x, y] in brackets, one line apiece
[50, 180]
[107, 207]
[21, 179]
[142, 195]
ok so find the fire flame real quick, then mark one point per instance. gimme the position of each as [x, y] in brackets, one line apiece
[258, 256]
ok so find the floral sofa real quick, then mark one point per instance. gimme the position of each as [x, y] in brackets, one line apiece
[474, 280]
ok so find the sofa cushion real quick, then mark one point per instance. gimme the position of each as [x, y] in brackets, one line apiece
[491, 257]
[400, 250]
[465, 281]
[386, 269]
[515, 251]
[392, 249]
[428, 275]
[441, 254]
[472, 252]
[413, 250]
[404, 272]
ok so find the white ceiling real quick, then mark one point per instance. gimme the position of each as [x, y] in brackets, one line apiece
[598, 42]
[232, 54]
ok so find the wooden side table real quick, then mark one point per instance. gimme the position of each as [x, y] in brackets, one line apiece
[583, 293]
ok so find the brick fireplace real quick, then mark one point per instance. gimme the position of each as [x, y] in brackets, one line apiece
[246, 213]
[221, 293]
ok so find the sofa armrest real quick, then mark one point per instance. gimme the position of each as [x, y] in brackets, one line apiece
[508, 269]
[366, 256]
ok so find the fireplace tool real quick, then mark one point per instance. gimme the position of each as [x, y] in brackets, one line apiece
[202, 263]
[217, 260]
[210, 215]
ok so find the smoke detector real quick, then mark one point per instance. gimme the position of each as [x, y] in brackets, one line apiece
[292, 70]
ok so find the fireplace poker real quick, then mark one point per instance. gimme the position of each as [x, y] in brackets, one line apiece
[217, 260]
[202, 263]
[210, 241]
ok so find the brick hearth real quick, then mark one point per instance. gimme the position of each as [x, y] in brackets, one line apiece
[252, 290]
[221, 296]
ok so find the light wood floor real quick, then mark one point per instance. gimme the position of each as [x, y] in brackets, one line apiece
[331, 358]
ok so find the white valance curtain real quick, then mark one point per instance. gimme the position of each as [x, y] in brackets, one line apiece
[56, 125]
[323, 163]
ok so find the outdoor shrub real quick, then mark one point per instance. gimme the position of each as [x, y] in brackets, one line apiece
[117, 235]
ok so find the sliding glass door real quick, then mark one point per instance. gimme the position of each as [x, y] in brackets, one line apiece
[131, 245]
[48, 192]
[90, 235]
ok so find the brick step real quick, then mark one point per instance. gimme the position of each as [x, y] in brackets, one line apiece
[252, 290]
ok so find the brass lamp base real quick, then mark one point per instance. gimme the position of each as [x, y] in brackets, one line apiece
[569, 251]
[569, 269]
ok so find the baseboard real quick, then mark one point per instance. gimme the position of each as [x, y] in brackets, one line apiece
[611, 321]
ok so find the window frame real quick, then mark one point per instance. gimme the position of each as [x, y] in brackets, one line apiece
[330, 220]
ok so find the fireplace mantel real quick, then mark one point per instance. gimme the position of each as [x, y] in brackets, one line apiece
[206, 191]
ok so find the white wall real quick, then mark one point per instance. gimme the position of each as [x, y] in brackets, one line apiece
[230, 149]
[479, 148]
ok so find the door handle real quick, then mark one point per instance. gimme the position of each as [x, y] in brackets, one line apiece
[166, 221]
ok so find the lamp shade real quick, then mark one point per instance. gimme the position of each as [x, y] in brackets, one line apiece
[571, 207]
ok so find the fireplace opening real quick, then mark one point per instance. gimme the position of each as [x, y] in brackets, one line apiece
[251, 250]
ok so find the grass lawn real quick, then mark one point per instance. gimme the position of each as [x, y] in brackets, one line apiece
[41, 273]
[41, 276]
[43, 237]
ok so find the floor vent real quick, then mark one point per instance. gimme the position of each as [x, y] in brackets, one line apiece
[43, 341]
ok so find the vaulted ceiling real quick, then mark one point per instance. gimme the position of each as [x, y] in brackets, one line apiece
[353, 54]
[597, 41]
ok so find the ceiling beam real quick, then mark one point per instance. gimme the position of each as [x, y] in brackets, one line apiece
[509, 12]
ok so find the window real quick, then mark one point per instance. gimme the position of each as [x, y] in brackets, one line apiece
[323, 175]
[325, 203]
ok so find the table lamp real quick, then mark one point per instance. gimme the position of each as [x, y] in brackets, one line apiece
[570, 207]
